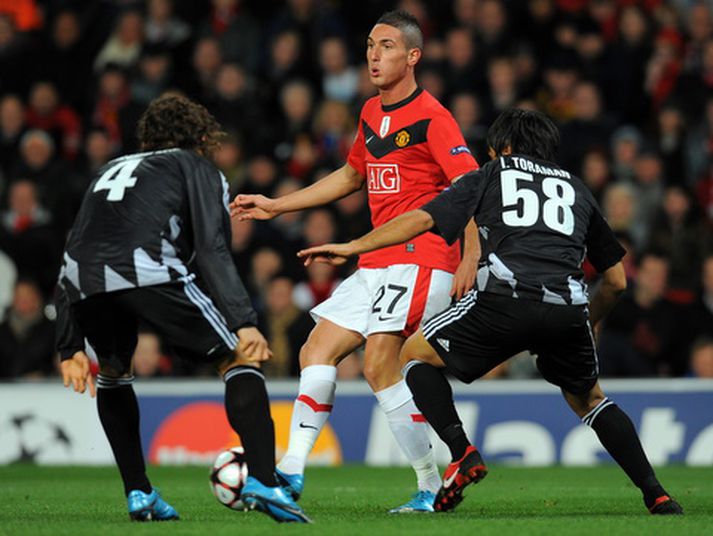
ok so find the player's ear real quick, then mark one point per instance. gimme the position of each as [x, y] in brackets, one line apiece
[491, 153]
[414, 55]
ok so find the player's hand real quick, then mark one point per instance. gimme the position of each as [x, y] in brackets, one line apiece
[253, 207]
[464, 278]
[76, 372]
[334, 254]
[252, 345]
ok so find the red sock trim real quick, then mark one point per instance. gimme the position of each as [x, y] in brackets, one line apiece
[417, 417]
[312, 403]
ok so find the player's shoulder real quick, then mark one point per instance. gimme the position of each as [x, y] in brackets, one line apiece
[372, 104]
[432, 106]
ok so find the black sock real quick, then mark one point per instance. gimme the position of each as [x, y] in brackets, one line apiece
[434, 398]
[618, 435]
[119, 415]
[248, 410]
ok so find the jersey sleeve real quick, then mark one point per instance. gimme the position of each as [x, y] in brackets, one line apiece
[210, 219]
[453, 208]
[357, 153]
[603, 249]
[69, 338]
[448, 147]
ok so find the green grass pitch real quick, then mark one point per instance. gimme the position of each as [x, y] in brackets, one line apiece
[354, 500]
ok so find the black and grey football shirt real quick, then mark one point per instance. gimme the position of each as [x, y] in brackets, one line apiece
[537, 223]
[152, 218]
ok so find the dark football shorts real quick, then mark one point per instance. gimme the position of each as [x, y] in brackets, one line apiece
[184, 315]
[483, 329]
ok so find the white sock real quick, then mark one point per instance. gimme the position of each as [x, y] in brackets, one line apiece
[309, 413]
[411, 432]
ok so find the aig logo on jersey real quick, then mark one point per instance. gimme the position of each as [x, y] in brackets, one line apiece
[383, 178]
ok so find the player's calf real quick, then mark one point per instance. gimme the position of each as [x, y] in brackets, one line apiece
[618, 436]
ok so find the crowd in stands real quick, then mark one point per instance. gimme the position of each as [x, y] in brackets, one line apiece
[630, 84]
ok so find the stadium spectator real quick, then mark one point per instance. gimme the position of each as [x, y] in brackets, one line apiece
[162, 27]
[595, 172]
[45, 111]
[676, 233]
[26, 335]
[153, 75]
[205, 64]
[236, 31]
[588, 129]
[625, 143]
[14, 48]
[66, 59]
[123, 47]
[28, 237]
[286, 328]
[321, 281]
[340, 80]
[637, 337]
[502, 86]
[702, 358]
[98, 151]
[149, 360]
[12, 127]
[8, 277]
[670, 143]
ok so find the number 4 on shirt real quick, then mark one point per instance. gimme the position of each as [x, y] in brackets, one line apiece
[118, 178]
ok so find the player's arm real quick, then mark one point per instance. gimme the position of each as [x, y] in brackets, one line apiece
[69, 341]
[446, 143]
[447, 214]
[605, 254]
[210, 221]
[336, 185]
[612, 286]
[400, 229]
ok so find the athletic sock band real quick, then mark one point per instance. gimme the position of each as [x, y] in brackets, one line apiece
[588, 419]
[241, 369]
[109, 382]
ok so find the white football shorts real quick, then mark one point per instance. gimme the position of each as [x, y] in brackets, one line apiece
[398, 298]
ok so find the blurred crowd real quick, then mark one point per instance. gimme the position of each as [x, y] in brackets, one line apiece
[629, 82]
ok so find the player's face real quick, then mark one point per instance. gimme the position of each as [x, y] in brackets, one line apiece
[388, 58]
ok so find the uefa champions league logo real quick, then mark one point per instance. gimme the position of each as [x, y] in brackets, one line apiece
[29, 438]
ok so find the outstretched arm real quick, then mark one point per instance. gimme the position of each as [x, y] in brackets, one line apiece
[336, 185]
[396, 231]
[612, 287]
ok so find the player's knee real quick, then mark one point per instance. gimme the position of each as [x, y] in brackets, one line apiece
[313, 353]
[583, 403]
[110, 372]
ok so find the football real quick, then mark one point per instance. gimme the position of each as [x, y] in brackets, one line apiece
[228, 476]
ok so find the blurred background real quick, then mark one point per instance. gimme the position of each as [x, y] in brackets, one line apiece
[630, 84]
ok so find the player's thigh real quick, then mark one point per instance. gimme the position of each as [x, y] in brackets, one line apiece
[328, 343]
[475, 335]
[567, 357]
[110, 330]
[187, 319]
[347, 308]
[417, 348]
[381, 359]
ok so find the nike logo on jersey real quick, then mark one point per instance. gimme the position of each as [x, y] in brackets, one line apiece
[303, 425]
[385, 318]
[445, 343]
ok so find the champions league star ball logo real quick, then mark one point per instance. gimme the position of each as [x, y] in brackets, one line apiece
[29, 438]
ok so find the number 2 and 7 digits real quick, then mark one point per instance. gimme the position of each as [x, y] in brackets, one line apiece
[381, 292]
[556, 210]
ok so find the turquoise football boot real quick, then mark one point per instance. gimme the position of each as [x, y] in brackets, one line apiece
[293, 484]
[149, 507]
[275, 502]
[421, 502]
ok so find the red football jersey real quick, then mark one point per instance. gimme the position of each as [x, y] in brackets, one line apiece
[409, 152]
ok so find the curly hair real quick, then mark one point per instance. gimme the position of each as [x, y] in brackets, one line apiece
[173, 120]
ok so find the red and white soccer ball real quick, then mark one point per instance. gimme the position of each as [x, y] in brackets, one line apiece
[228, 476]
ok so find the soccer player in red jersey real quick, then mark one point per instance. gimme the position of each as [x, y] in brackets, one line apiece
[407, 150]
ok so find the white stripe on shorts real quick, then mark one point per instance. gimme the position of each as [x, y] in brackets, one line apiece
[450, 315]
[211, 314]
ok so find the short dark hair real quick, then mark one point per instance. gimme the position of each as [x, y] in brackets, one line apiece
[173, 120]
[527, 132]
[407, 23]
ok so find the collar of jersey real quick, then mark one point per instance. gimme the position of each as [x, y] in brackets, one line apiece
[404, 102]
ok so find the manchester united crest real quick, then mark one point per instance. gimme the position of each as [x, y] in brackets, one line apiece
[402, 138]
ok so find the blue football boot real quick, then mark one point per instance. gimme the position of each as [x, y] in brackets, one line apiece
[149, 507]
[275, 502]
[293, 484]
[421, 502]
